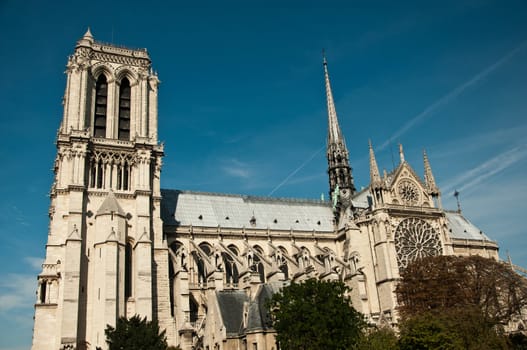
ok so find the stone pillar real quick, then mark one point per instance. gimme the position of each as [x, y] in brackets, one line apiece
[71, 288]
[143, 276]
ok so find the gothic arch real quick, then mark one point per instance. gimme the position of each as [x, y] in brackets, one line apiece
[281, 261]
[125, 72]
[101, 68]
[234, 249]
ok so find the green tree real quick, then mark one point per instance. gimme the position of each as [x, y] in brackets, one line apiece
[428, 331]
[315, 315]
[135, 334]
[454, 328]
[383, 338]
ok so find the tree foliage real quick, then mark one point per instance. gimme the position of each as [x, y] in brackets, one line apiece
[135, 334]
[315, 315]
[383, 338]
[445, 282]
[455, 328]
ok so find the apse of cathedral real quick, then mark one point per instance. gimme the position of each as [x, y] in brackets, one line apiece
[203, 264]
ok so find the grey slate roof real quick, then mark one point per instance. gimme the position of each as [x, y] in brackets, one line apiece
[461, 228]
[236, 211]
[231, 309]
[362, 199]
[259, 317]
[231, 304]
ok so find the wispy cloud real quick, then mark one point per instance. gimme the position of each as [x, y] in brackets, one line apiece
[19, 216]
[34, 262]
[452, 95]
[487, 169]
[17, 291]
[470, 143]
[236, 168]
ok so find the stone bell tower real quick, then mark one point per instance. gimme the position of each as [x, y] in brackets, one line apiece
[105, 226]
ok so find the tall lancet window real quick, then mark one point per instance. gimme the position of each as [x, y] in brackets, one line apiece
[101, 102]
[124, 110]
[128, 270]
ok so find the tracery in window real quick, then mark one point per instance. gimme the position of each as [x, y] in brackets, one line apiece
[415, 239]
[231, 270]
[124, 110]
[101, 101]
[256, 264]
[282, 261]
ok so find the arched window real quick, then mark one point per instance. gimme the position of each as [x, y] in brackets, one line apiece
[43, 286]
[128, 271]
[96, 173]
[124, 110]
[282, 261]
[202, 269]
[257, 265]
[101, 101]
[231, 270]
[123, 176]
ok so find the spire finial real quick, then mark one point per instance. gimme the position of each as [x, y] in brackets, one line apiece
[375, 177]
[429, 176]
[86, 40]
[401, 152]
[334, 134]
[88, 33]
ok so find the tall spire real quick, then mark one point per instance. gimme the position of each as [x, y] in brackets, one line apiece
[375, 177]
[429, 177]
[334, 133]
[339, 170]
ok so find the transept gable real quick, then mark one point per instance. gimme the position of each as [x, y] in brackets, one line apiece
[407, 188]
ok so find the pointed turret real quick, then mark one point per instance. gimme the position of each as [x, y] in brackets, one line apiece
[375, 177]
[87, 39]
[339, 170]
[429, 177]
[430, 182]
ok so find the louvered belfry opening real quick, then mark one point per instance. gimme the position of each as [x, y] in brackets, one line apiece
[101, 104]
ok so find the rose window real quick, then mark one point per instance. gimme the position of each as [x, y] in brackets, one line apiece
[415, 239]
[408, 191]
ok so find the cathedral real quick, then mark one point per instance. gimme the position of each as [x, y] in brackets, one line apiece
[203, 264]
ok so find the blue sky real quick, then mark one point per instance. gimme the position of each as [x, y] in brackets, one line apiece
[242, 105]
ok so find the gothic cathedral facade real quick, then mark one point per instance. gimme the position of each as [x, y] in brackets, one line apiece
[203, 264]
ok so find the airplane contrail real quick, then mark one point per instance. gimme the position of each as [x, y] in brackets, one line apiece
[296, 170]
[487, 169]
[452, 95]
[427, 111]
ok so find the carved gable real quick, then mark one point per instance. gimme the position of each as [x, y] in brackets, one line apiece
[407, 188]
